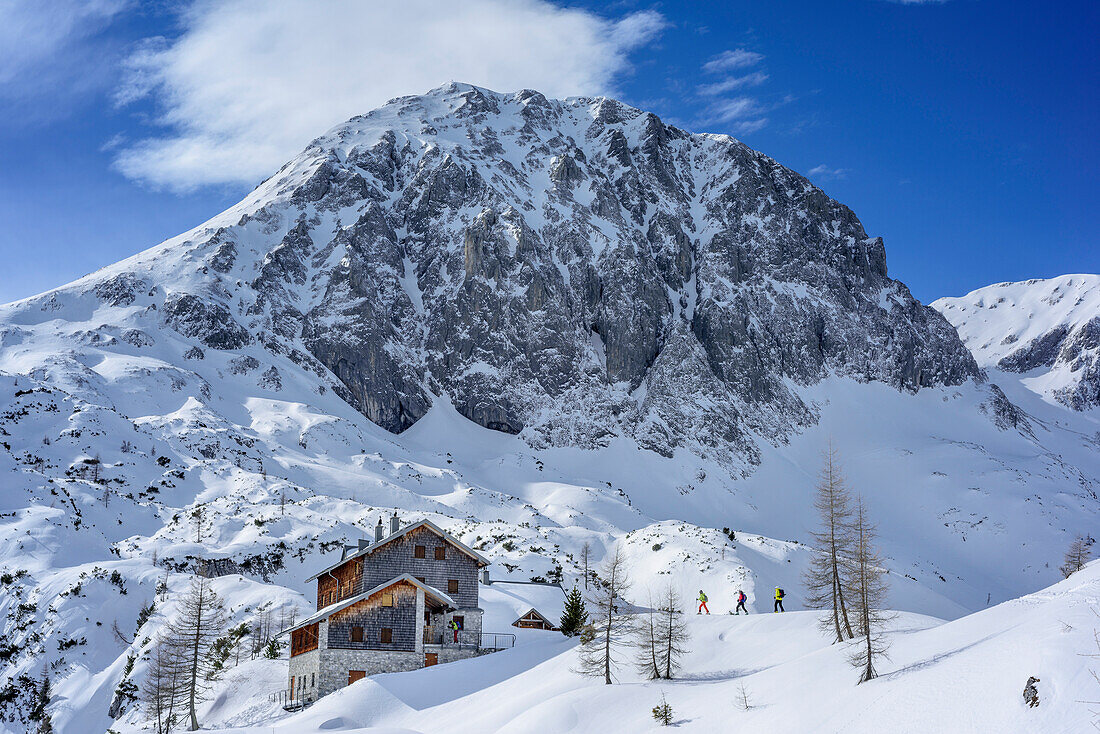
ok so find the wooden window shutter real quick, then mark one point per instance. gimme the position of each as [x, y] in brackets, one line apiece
[387, 599]
[419, 551]
[452, 586]
[441, 553]
[356, 634]
[387, 635]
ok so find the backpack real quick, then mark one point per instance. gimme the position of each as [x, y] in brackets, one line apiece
[782, 593]
[740, 596]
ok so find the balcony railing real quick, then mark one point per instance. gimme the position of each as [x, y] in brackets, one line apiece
[497, 640]
[292, 700]
[479, 640]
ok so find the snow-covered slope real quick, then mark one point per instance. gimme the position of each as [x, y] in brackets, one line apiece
[962, 676]
[539, 324]
[1047, 331]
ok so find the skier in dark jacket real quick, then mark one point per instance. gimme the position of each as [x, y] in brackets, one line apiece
[741, 602]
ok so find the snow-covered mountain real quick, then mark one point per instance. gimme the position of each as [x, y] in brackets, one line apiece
[1048, 331]
[538, 323]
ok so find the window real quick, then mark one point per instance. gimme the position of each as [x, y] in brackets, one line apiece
[460, 621]
[419, 551]
[387, 635]
[452, 586]
[420, 579]
[441, 553]
[312, 680]
[356, 634]
[387, 599]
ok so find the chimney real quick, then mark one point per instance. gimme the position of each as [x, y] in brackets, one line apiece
[395, 524]
[485, 577]
[378, 531]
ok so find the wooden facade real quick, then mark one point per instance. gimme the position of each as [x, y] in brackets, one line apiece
[303, 640]
[340, 583]
[534, 620]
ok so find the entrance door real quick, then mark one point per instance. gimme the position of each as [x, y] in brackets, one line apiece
[354, 675]
[430, 659]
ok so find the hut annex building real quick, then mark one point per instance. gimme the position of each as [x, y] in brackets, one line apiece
[387, 606]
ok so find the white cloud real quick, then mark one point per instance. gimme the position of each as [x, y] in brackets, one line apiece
[825, 173]
[734, 59]
[743, 114]
[249, 83]
[41, 41]
[729, 84]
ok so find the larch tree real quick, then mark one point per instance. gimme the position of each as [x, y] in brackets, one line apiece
[1079, 553]
[599, 653]
[674, 634]
[586, 552]
[869, 588]
[825, 575]
[200, 622]
[648, 645]
[162, 688]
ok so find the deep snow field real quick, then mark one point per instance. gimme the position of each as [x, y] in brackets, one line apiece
[966, 675]
[212, 462]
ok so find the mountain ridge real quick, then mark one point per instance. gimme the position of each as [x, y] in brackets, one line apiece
[512, 251]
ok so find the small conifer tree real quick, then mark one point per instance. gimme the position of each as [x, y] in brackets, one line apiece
[575, 615]
[662, 712]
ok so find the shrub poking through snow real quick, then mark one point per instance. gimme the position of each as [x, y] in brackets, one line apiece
[742, 699]
[662, 712]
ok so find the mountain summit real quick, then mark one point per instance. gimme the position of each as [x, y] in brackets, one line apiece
[570, 271]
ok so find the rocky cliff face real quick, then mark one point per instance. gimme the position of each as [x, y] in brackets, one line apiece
[567, 270]
[1048, 330]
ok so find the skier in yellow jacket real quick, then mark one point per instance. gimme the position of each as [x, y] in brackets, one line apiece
[779, 600]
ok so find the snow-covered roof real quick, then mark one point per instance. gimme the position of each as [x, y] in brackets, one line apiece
[512, 600]
[481, 560]
[325, 612]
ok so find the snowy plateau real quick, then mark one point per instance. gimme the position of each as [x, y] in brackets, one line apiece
[540, 324]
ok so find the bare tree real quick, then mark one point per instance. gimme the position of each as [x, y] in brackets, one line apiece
[196, 520]
[1079, 553]
[825, 574]
[674, 633]
[162, 689]
[200, 621]
[742, 698]
[648, 643]
[869, 587]
[586, 551]
[598, 654]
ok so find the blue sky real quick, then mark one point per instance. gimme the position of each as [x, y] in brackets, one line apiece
[963, 132]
